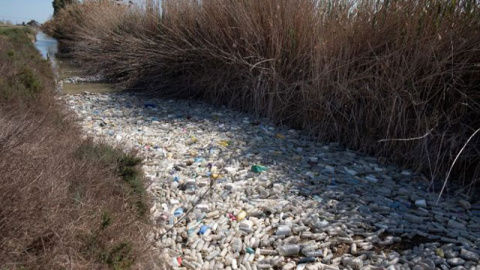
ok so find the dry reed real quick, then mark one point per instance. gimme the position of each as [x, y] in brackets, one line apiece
[396, 78]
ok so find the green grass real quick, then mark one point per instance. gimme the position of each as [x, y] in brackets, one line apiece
[28, 74]
[127, 167]
[118, 256]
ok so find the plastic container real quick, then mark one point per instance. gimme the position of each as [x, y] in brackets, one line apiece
[203, 229]
[178, 212]
[241, 215]
[289, 250]
[313, 253]
[284, 230]
[236, 245]
[258, 168]
[306, 260]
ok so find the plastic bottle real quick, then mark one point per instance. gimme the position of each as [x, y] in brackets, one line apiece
[236, 245]
[240, 216]
[313, 253]
[258, 168]
[289, 250]
[178, 212]
[203, 229]
[284, 230]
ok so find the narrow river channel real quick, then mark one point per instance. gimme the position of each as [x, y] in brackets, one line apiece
[71, 78]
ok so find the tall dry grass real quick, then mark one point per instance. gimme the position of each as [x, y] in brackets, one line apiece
[396, 78]
[63, 204]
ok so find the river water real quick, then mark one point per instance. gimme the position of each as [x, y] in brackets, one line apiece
[65, 70]
[47, 46]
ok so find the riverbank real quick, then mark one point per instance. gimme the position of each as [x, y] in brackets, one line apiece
[66, 202]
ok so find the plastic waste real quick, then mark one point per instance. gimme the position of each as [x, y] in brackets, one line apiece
[249, 250]
[284, 230]
[313, 253]
[241, 215]
[199, 160]
[289, 250]
[175, 262]
[149, 105]
[203, 229]
[215, 176]
[225, 143]
[306, 260]
[259, 168]
[212, 255]
[236, 245]
[190, 186]
[178, 212]
[192, 140]
[280, 136]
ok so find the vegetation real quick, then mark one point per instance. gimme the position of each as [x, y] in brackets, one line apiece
[60, 4]
[396, 78]
[63, 201]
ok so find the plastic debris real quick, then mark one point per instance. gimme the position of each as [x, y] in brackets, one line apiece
[203, 229]
[178, 212]
[258, 168]
[313, 197]
[241, 215]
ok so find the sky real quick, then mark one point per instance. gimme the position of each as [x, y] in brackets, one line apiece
[19, 11]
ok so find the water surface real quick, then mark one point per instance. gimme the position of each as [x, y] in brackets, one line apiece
[47, 46]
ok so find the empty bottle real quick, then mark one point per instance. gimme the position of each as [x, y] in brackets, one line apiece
[289, 250]
[284, 230]
[236, 245]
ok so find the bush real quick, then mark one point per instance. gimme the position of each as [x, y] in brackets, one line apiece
[396, 78]
[63, 202]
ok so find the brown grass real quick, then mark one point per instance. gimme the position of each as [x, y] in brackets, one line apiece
[395, 78]
[63, 203]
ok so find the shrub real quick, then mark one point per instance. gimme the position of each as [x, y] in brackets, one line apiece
[63, 202]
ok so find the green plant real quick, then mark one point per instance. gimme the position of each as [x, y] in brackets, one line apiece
[60, 4]
[119, 257]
